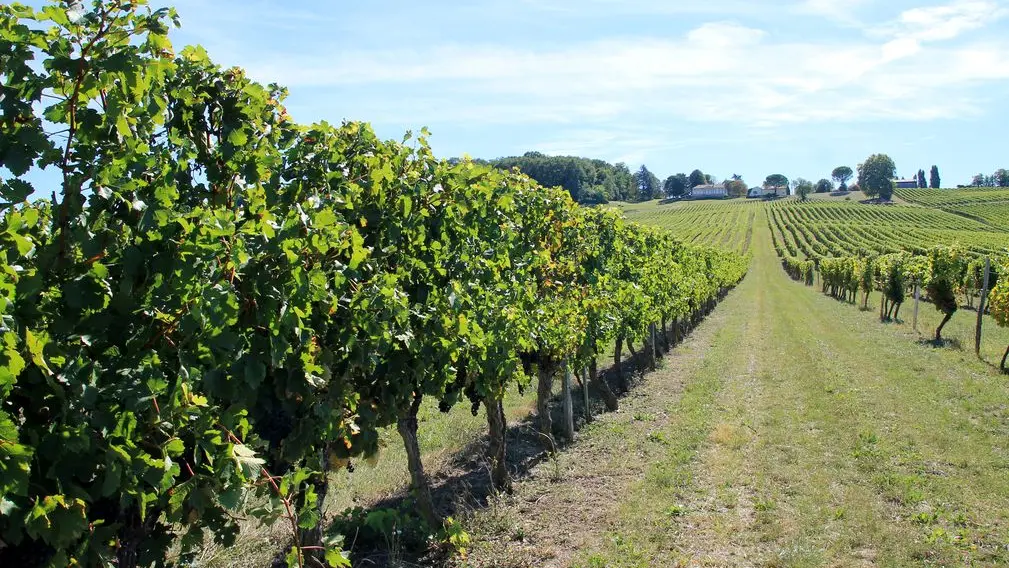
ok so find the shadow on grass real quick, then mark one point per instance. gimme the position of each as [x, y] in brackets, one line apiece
[952, 343]
[464, 483]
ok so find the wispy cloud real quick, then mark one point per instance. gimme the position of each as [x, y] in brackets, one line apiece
[842, 11]
[717, 72]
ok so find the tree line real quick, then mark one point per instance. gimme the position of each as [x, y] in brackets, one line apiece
[593, 181]
[1000, 178]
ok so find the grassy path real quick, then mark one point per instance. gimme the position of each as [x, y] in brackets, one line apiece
[789, 430]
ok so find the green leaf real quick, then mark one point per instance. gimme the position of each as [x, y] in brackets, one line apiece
[17, 160]
[231, 498]
[325, 218]
[36, 344]
[23, 244]
[123, 126]
[246, 459]
[238, 137]
[16, 190]
[175, 447]
[337, 559]
[359, 252]
[255, 373]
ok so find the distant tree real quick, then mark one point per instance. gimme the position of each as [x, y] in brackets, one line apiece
[1001, 177]
[710, 179]
[736, 187]
[625, 189]
[696, 178]
[802, 188]
[737, 177]
[824, 186]
[934, 181]
[648, 185]
[587, 180]
[875, 176]
[978, 180]
[675, 185]
[921, 179]
[841, 175]
[776, 180]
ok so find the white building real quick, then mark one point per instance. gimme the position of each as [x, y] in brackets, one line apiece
[768, 191]
[709, 192]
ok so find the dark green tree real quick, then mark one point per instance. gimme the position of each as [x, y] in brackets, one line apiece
[1001, 177]
[696, 178]
[824, 186]
[648, 185]
[586, 180]
[934, 181]
[875, 176]
[802, 187]
[736, 187]
[675, 185]
[776, 180]
[922, 184]
[841, 175]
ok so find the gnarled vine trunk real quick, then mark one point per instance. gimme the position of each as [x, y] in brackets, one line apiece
[583, 380]
[665, 336]
[603, 387]
[497, 451]
[1004, 357]
[942, 324]
[544, 390]
[617, 352]
[132, 533]
[419, 485]
[311, 539]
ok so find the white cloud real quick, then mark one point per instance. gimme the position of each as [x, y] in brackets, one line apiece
[724, 34]
[843, 11]
[718, 73]
[949, 21]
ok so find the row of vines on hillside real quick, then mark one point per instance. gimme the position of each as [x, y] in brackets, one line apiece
[941, 274]
[219, 305]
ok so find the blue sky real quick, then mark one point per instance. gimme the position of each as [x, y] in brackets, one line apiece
[728, 86]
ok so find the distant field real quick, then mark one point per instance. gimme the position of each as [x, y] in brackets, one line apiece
[833, 227]
[946, 198]
[726, 224]
[820, 229]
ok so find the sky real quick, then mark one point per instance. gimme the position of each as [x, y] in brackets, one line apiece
[728, 86]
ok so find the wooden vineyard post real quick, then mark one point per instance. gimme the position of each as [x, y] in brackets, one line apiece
[980, 307]
[917, 297]
[654, 355]
[569, 411]
[585, 394]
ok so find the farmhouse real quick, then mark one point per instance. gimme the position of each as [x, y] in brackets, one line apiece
[709, 192]
[905, 184]
[768, 191]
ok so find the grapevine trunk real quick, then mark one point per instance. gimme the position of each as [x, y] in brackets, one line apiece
[543, 392]
[311, 539]
[603, 387]
[419, 485]
[942, 324]
[616, 363]
[497, 452]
